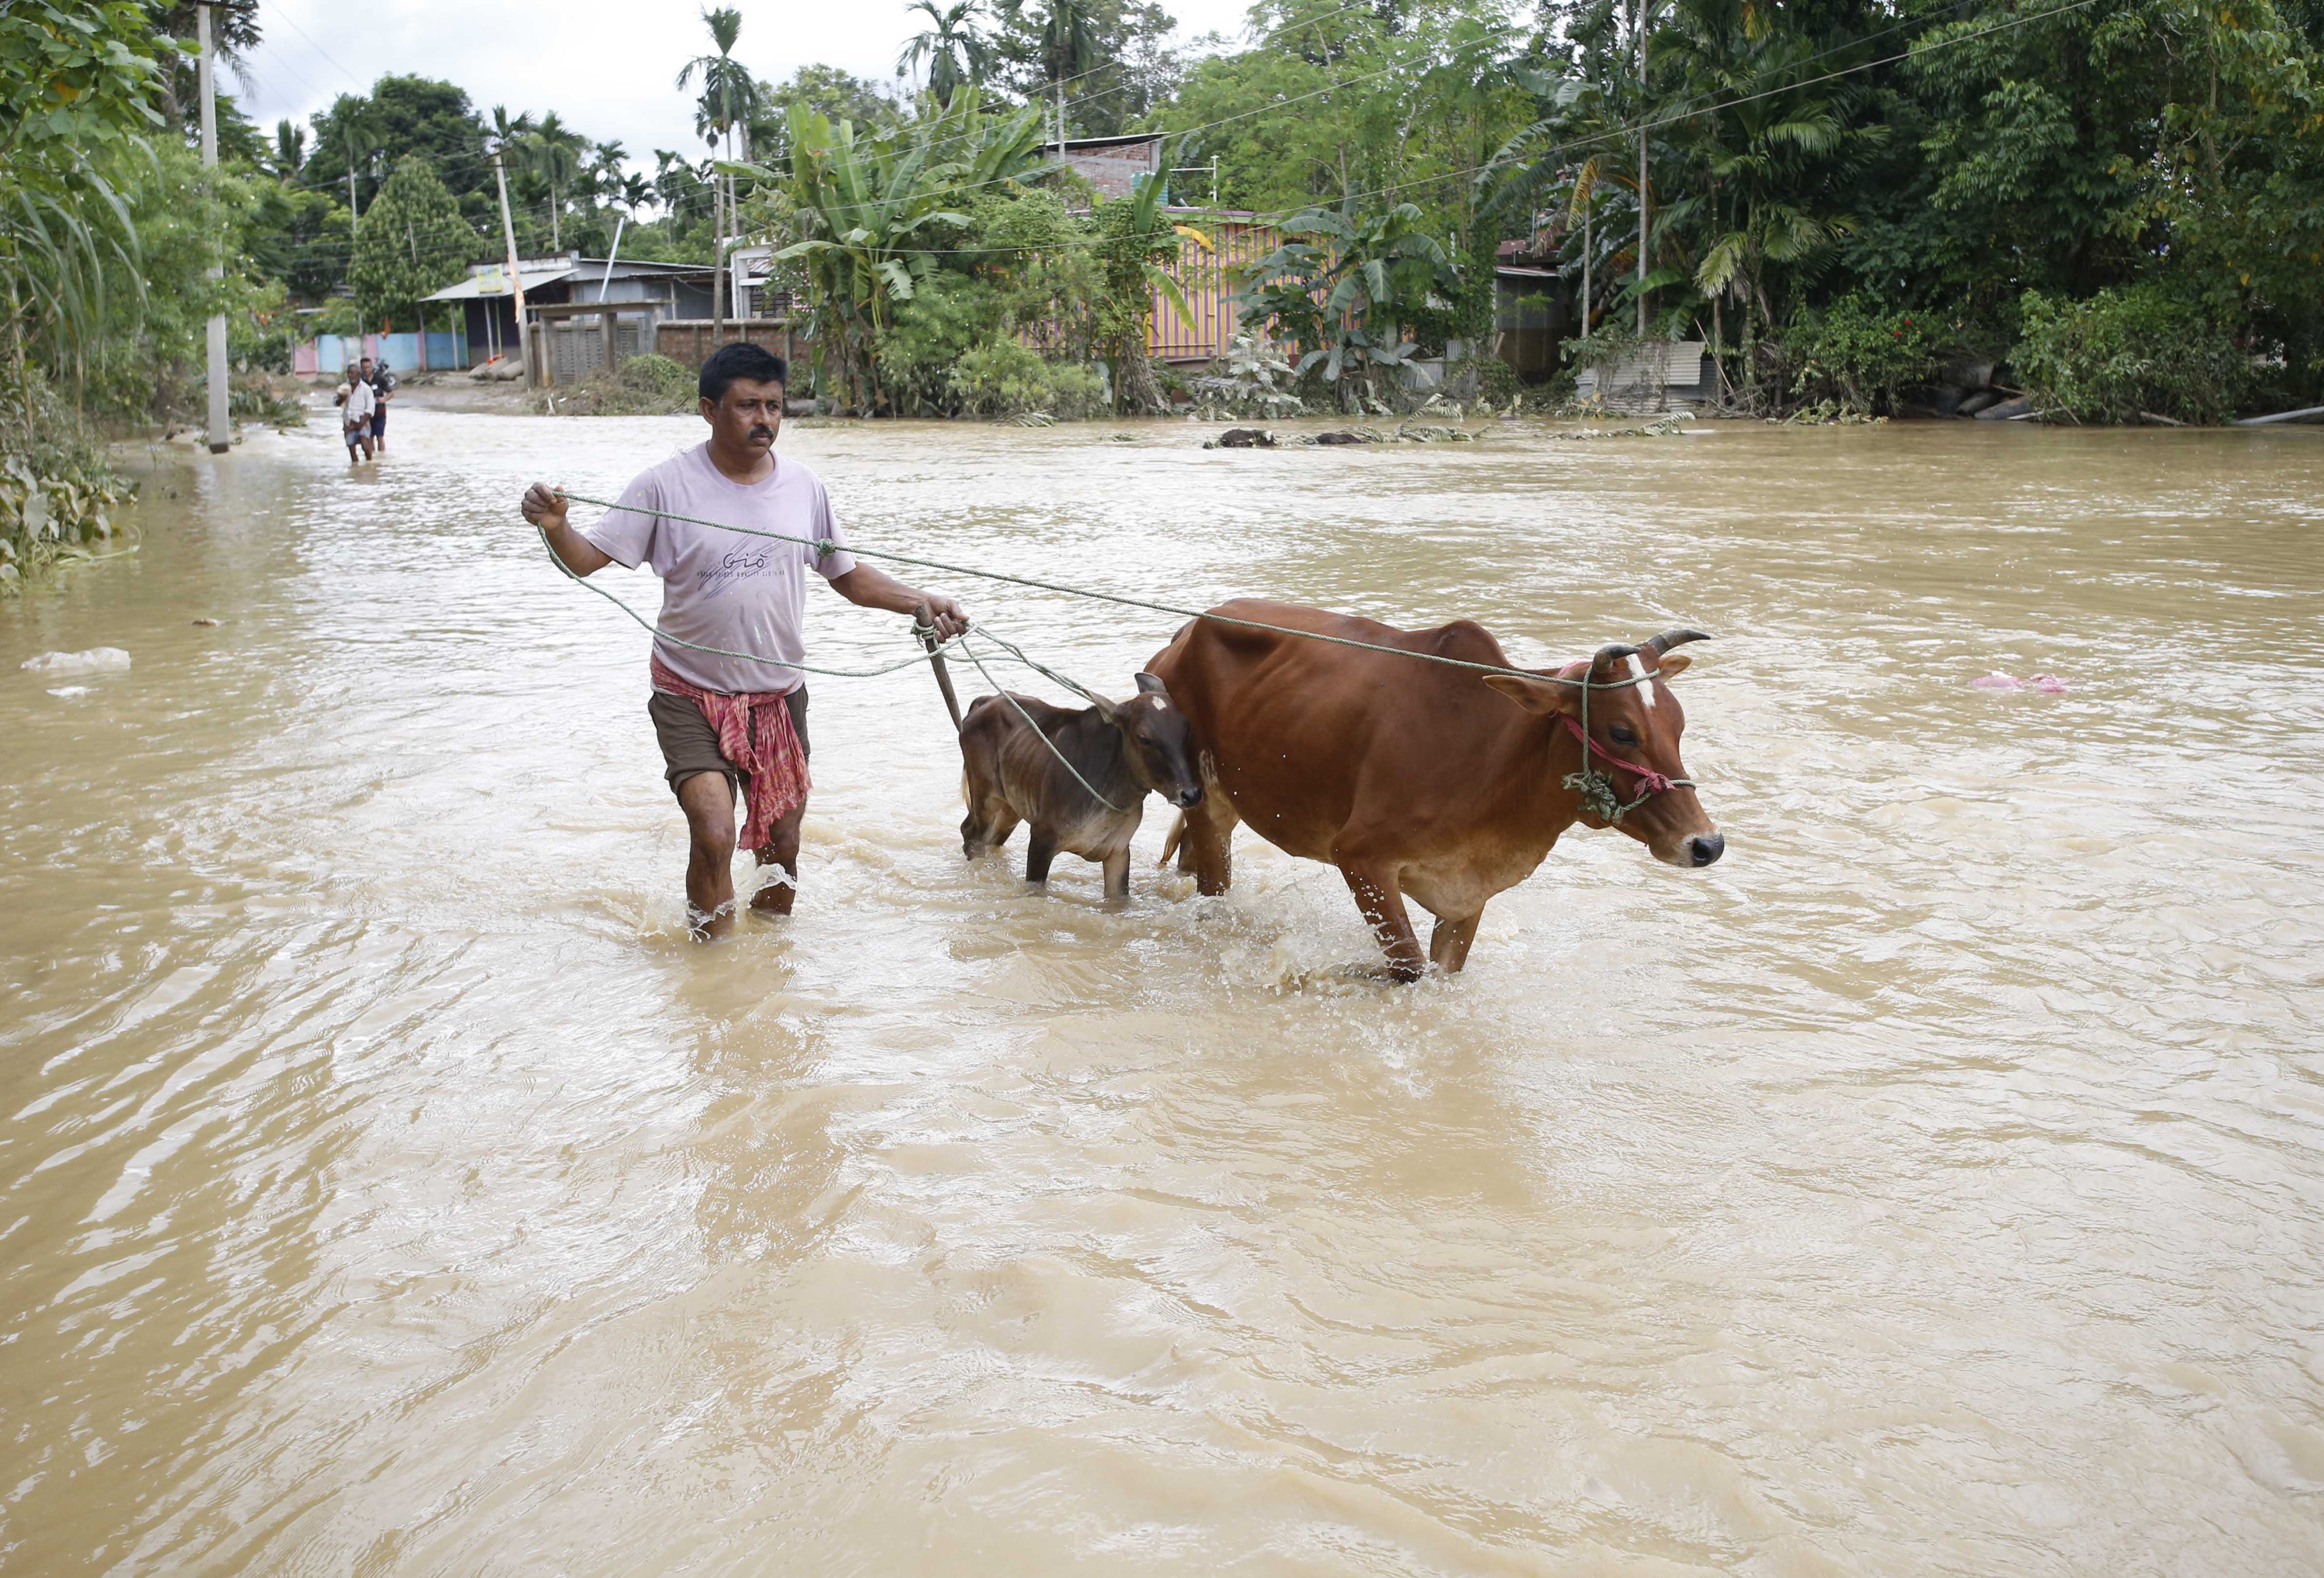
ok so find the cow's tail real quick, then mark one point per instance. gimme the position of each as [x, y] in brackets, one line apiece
[1177, 835]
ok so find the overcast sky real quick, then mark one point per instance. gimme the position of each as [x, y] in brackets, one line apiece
[606, 65]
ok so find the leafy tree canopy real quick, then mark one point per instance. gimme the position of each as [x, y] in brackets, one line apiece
[413, 242]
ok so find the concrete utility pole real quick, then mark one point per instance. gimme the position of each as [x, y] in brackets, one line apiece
[516, 281]
[1587, 194]
[221, 431]
[1642, 168]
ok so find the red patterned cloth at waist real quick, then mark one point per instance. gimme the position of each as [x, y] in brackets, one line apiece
[754, 733]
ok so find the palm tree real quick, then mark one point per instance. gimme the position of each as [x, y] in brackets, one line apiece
[1580, 112]
[957, 54]
[1770, 152]
[352, 124]
[678, 186]
[1135, 240]
[862, 206]
[729, 94]
[1066, 44]
[290, 149]
[553, 152]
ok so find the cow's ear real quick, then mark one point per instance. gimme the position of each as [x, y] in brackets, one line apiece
[1106, 709]
[1674, 665]
[1534, 695]
[1151, 686]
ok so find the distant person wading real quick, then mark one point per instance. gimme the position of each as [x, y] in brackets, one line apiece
[730, 723]
[358, 403]
[383, 388]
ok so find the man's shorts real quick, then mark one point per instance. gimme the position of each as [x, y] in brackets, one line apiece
[379, 422]
[355, 434]
[690, 745]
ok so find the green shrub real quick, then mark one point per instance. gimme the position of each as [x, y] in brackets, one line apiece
[642, 386]
[663, 379]
[1006, 378]
[2121, 352]
[57, 492]
[1860, 356]
[1496, 381]
[949, 315]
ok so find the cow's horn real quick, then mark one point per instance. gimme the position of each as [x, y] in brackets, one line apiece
[1658, 645]
[1607, 654]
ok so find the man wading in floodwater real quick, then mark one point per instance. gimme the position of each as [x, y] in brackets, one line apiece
[730, 723]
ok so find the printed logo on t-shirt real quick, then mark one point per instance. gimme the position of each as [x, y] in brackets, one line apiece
[738, 565]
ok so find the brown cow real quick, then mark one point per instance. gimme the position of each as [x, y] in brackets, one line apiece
[1419, 779]
[1125, 749]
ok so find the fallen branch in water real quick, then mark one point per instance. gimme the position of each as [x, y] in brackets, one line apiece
[1662, 427]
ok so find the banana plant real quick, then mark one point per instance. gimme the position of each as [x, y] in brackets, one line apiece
[869, 211]
[1135, 240]
[1343, 286]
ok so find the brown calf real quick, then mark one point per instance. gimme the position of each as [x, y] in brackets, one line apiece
[1125, 749]
[1415, 778]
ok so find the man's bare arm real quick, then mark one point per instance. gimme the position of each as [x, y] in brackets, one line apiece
[545, 508]
[869, 588]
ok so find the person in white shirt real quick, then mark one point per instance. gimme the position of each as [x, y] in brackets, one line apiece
[734, 718]
[357, 401]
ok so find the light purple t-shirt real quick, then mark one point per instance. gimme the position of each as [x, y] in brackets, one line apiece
[720, 588]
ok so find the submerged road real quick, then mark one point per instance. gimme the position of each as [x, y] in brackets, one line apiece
[1935, 1185]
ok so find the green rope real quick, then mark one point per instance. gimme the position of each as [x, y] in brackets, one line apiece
[824, 546]
[1594, 787]
[921, 655]
[661, 635]
[1040, 733]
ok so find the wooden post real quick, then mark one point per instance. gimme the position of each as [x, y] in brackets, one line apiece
[605, 318]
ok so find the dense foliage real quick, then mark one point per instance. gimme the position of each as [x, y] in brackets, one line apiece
[2116, 205]
[1811, 169]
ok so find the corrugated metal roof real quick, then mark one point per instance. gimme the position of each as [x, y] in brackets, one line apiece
[485, 280]
[495, 282]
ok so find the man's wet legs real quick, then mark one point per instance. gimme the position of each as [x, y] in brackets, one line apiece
[708, 801]
[781, 851]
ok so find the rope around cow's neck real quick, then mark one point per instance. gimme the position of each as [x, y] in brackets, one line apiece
[1595, 789]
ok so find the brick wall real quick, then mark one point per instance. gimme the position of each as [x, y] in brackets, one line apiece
[690, 341]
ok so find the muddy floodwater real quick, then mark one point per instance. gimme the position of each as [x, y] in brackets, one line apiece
[1934, 1186]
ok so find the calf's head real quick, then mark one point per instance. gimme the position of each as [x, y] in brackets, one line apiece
[1636, 723]
[1158, 743]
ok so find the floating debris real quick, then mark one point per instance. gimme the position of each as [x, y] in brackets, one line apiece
[1660, 427]
[2047, 684]
[1243, 438]
[205, 619]
[1829, 414]
[1030, 419]
[96, 660]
